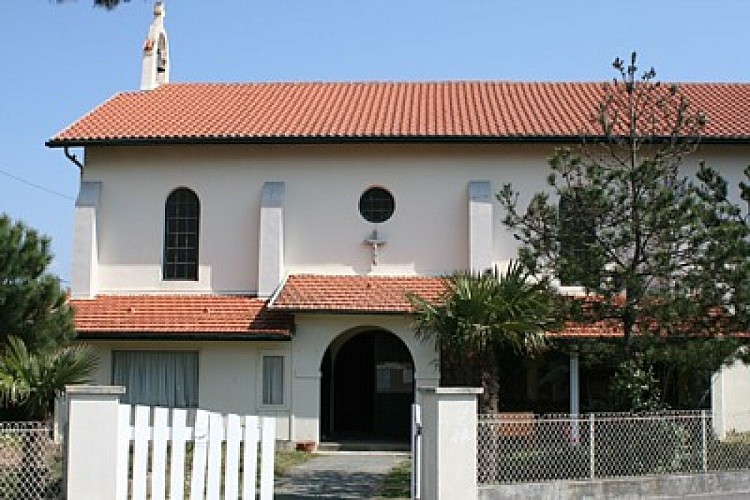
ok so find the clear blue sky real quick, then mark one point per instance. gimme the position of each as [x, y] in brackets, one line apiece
[61, 60]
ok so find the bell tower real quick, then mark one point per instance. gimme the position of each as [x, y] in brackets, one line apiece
[155, 68]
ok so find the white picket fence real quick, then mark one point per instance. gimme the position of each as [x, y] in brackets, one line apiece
[224, 460]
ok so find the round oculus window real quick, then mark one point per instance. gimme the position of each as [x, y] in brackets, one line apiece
[376, 205]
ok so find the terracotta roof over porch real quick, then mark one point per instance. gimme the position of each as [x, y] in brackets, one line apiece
[387, 295]
[223, 317]
[354, 294]
[180, 317]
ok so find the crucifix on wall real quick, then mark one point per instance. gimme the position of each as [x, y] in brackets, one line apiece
[375, 242]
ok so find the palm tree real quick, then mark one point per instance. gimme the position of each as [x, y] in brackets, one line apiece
[32, 380]
[480, 313]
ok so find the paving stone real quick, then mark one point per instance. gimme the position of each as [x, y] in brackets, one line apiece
[343, 475]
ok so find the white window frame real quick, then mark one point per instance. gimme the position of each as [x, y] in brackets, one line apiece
[286, 382]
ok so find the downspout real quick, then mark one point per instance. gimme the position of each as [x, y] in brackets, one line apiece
[73, 158]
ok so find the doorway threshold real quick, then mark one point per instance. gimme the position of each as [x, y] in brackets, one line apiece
[363, 445]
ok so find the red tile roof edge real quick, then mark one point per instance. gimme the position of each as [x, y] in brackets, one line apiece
[175, 317]
[266, 335]
[471, 111]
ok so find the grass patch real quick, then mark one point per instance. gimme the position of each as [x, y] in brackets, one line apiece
[285, 460]
[397, 484]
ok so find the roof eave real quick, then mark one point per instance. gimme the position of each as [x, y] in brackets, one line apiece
[323, 310]
[538, 139]
[172, 141]
[182, 336]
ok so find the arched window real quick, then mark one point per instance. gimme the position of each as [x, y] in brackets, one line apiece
[181, 231]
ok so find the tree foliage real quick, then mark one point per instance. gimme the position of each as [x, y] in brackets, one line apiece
[725, 247]
[664, 254]
[478, 314]
[109, 4]
[32, 380]
[33, 306]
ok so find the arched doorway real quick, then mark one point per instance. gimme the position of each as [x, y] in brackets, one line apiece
[367, 387]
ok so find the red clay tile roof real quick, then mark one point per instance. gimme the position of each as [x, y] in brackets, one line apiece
[387, 294]
[179, 316]
[299, 112]
[354, 294]
[595, 330]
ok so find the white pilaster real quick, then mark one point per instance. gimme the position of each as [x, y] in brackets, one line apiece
[92, 458]
[480, 226]
[85, 249]
[449, 442]
[271, 238]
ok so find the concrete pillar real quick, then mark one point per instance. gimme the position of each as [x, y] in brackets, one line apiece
[271, 251]
[575, 397]
[717, 403]
[480, 226]
[575, 386]
[449, 442]
[85, 249]
[730, 386]
[91, 457]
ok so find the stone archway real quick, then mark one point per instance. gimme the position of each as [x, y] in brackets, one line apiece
[367, 387]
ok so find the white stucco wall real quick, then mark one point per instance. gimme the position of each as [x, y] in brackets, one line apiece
[316, 332]
[229, 374]
[428, 233]
[323, 233]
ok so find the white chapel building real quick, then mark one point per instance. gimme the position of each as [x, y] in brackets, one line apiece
[247, 248]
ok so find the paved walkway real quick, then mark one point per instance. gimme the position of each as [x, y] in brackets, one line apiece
[337, 475]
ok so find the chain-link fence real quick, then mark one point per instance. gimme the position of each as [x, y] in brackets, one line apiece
[528, 448]
[30, 462]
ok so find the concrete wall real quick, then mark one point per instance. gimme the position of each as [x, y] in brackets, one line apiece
[710, 485]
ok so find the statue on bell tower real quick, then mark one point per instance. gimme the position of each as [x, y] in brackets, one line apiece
[155, 69]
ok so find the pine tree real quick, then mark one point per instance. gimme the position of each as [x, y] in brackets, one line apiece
[33, 306]
[622, 219]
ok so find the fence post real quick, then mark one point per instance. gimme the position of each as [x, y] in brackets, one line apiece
[592, 449]
[91, 441]
[704, 429]
[449, 442]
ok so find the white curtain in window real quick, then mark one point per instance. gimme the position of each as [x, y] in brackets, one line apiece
[157, 378]
[273, 380]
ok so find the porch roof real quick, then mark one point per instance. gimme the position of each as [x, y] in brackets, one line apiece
[309, 293]
[179, 317]
[354, 294]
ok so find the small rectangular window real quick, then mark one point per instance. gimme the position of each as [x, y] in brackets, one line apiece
[273, 380]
